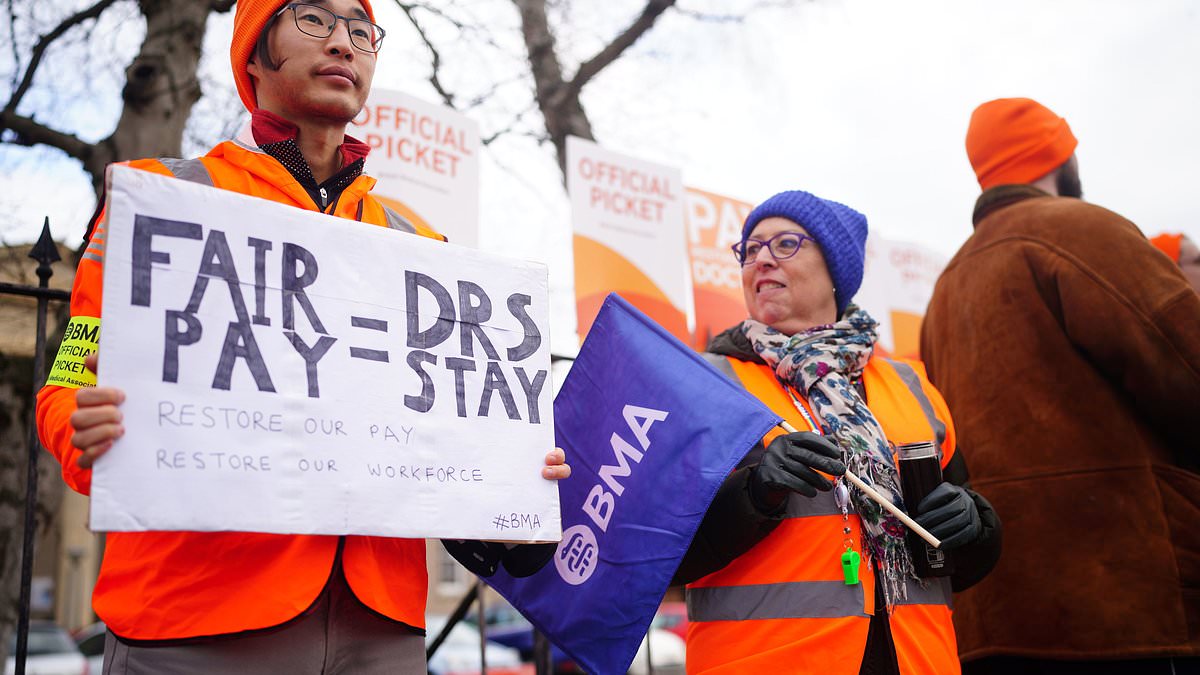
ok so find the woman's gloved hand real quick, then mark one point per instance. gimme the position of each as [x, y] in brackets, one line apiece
[950, 514]
[790, 464]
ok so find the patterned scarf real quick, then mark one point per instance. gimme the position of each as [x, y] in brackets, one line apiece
[821, 363]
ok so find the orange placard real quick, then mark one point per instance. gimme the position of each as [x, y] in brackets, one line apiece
[714, 224]
[599, 270]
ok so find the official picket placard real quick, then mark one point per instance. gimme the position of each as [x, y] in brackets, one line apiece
[629, 236]
[898, 282]
[291, 372]
[426, 159]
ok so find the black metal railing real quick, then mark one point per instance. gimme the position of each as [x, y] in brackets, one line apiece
[45, 252]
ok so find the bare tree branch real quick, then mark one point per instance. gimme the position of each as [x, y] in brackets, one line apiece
[12, 41]
[593, 66]
[30, 132]
[44, 42]
[511, 125]
[711, 18]
[435, 56]
[483, 97]
[735, 18]
[434, 10]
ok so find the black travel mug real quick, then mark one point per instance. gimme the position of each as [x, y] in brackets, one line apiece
[921, 472]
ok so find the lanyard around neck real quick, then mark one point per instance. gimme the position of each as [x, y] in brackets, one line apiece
[808, 418]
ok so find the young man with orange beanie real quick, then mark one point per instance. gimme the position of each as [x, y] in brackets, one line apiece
[1069, 351]
[226, 602]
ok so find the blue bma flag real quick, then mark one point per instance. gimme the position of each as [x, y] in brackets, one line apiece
[650, 430]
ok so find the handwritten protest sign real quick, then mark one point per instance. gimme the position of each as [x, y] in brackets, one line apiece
[292, 372]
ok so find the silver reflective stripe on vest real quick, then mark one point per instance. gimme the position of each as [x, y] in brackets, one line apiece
[791, 600]
[396, 221]
[936, 593]
[95, 248]
[188, 169]
[722, 364]
[192, 170]
[909, 376]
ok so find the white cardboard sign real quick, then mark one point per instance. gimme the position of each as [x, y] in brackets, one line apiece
[291, 372]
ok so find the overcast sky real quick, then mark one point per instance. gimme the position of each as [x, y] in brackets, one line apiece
[863, 101]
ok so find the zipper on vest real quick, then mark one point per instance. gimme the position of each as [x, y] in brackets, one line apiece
[324, 198]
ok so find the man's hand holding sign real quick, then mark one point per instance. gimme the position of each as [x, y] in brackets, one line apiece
[306, 393]
[97, 421]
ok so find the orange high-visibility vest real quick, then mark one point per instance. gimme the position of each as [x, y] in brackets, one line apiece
[173, 585]
[784, 605]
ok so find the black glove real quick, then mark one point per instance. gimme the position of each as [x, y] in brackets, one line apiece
[950, 514]
[788, 466]
[483, 558]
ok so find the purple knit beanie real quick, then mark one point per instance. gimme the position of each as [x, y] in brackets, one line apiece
[840, 231]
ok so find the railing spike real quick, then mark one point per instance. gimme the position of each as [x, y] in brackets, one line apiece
[46, 251]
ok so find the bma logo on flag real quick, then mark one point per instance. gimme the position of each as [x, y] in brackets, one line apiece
[577, 555]
[578, 552]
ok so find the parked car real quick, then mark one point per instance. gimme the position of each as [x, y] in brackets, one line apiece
[51, 652]
[459, 654]
[90, 640]
[672, 616]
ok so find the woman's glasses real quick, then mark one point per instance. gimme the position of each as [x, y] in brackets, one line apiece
[782, 246]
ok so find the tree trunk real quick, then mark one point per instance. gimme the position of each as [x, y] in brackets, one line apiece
[558, 102]
[160, 89]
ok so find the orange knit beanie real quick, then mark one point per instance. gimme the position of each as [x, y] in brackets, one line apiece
[248, 21]
[1016, 140]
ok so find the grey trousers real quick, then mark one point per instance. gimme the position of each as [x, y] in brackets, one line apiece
[339, 635]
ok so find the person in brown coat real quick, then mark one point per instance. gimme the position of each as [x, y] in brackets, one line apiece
[1068, 349]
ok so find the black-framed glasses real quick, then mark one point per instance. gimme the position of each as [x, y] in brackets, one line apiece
[320, 23]
[781, 246]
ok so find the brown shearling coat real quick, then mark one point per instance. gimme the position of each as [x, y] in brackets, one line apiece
[1068, 350]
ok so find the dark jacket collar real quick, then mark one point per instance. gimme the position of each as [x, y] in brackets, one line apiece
[733, 342]
[994, 199]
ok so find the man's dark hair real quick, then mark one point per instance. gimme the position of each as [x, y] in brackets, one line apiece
[1067, 181]
[262, 50]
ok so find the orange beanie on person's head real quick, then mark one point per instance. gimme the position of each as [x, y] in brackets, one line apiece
[248, 22]
[1016, 140]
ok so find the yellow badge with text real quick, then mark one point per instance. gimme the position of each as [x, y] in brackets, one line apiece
[80, 340]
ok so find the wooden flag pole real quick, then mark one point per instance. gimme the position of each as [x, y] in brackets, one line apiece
[881, 500]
